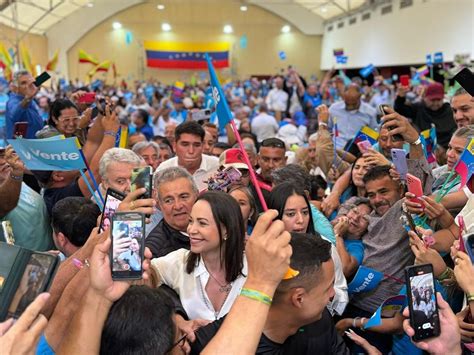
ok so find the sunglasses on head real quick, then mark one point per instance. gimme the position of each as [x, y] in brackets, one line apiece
[273, 143]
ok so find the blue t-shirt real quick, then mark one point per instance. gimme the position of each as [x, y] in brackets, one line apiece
[315, 100]
[356, 249]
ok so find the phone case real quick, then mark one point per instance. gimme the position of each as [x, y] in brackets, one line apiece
[399, 159]
[414, 185]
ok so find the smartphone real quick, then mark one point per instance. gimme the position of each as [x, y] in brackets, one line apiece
[37, 278]
[411, 224]
[415, 187]
[468, 245]
[141, 177]
[424, 317]
[40, 79]
[7, 233]
[200, 115]
[96, 109]
[405, 80]
[465, 78]
[395, 137]
[364, 146]
[399, 159]
[112, 201]
[20, 129]
[87, 98]
[128, 245]
[223, 179]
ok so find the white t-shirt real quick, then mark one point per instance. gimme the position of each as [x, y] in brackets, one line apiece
[160, 126]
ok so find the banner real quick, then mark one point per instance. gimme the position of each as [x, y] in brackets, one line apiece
[182, 55]
[365, 279]
[388, 309]
[49, 154]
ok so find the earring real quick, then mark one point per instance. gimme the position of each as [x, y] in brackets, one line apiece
[225, 238]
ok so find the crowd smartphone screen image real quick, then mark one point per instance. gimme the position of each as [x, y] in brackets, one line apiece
[33, 282]
[112, 201]
[423, 307]
[141, 178]
[128, 244]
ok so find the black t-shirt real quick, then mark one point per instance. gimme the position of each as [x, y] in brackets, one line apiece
[316, 338]
[51, 196]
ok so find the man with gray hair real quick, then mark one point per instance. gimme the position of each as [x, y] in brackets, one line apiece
[175, 193]
[115, 169]
[463, 108]
[21, 107]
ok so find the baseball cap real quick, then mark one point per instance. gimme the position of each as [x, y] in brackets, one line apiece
[434, 91]
[233, 157]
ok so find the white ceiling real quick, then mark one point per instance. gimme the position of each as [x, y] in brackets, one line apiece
[38, 16]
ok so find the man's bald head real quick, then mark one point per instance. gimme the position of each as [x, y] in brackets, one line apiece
[352, 97]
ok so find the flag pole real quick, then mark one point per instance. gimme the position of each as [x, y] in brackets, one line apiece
[253, 177]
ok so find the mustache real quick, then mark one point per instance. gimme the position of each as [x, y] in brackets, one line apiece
[382, 203]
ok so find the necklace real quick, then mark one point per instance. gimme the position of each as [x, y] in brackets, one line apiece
[208, 304]
[222, 288]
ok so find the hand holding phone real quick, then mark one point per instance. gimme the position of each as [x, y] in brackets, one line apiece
[396, 137]
[424, 318]
[415, 187]
[40, 79]
[364, 146]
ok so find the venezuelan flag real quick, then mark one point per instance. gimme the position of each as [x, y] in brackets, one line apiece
[465, 165]
[422, 71]
[183, 55]
[367, 134]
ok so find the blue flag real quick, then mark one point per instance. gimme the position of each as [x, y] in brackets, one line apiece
[438, 57]
[365, 279]
[49, 154]
[222, 108]
[366, 71]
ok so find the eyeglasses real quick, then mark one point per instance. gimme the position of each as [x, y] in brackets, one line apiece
[179, 343]
[273, 143]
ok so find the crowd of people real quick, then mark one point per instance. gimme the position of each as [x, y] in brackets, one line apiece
[221, 273]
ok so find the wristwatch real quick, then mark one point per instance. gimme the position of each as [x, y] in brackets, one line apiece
[417, 142]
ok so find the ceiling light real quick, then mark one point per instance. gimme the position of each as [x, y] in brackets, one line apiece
[116, 25]
[160, 7]
[90, 4]
[166, 27]
[228, 29]
[243, 8]
[324, 9]
[285, 29]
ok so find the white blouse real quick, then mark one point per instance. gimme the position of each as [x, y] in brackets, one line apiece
[171, 270]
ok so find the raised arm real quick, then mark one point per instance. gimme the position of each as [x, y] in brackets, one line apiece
[268, 254]
[11, 187]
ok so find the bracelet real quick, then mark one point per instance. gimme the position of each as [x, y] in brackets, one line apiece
[110, 133]
[256, 296]
[354, 321]
[446, 273]
[417, 142]
[470, 297]
[361, 327]
[16, 177]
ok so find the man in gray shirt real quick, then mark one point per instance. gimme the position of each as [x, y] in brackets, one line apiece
[386, 243]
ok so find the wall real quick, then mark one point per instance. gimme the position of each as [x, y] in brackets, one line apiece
[192, 21]
[36, 44]
[404, 36]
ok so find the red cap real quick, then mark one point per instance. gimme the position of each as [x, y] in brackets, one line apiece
[434, 91]
[233, 157]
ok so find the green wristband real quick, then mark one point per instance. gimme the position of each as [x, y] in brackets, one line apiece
[256, 295]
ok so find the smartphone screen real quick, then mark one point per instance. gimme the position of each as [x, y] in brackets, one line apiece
[364, 146]
[36, 279]
[128, 243]
[424, 316]
[141, 177]
[20, 129]
[112, 201]
[40, 79]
